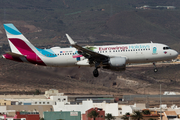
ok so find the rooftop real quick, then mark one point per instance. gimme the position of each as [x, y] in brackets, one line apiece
[170, 113]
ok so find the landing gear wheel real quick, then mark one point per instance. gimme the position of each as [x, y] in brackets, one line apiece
[155, 70]
[95, 73]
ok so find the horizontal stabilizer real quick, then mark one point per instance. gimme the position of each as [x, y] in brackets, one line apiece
[15, 54]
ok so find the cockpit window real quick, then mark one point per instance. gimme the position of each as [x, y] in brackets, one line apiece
[166, 48]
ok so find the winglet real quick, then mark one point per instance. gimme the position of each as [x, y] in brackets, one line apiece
[70, 40]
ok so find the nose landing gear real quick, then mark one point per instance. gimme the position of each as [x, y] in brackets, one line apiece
[155, 69]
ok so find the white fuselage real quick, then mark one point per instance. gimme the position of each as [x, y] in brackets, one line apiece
[134, 53]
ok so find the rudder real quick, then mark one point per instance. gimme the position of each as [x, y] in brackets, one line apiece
[17, 41]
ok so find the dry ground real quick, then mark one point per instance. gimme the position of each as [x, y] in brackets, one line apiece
[21, 78]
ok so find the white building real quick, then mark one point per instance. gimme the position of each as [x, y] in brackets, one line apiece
[131, 108]
[59, 103]
[111, 108]
[50, 98]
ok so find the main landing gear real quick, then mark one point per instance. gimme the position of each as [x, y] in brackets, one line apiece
[155, 69]
[96, 73]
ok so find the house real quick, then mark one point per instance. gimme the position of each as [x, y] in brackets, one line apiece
[64, 115]
[101, 115]
[20, 116]
[10, 110]
[169, 115]
[131, 108]
[28, 115]
[153, 115]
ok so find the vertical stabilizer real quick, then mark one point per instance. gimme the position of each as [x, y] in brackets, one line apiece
[17, 41]
[21, 46]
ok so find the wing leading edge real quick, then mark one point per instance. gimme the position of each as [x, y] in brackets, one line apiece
[86, 52]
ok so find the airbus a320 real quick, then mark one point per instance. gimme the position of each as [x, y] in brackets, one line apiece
[113, 57]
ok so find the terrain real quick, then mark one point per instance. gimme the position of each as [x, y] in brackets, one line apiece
[20, 78]
[89, 22]
[99, 22]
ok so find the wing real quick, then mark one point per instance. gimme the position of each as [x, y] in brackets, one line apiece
[91, 55]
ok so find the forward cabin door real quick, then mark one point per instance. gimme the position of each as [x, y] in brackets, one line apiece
[154, 50]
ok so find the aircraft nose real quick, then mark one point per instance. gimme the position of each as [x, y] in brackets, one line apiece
[175, 53]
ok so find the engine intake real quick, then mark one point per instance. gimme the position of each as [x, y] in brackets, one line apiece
[117, 63]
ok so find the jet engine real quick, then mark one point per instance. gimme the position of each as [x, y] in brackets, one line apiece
[116, 64]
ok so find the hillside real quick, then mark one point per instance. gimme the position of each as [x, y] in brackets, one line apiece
[91, 22]
[96, 22]
[20, 78]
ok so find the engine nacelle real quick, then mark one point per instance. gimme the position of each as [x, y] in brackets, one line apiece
[117, 63]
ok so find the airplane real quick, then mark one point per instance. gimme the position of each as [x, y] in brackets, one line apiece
[113, 57]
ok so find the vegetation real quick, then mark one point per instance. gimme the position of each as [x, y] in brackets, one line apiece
[93, 114]
[146, 112]
[126, 116]
[37, 92]
[151, 119]
[109, 116]
[137, 115]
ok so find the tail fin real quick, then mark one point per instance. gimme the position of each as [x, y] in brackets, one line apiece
[17, 41]
[20, 46]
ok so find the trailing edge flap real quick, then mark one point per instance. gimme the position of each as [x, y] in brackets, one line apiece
[15, 54]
